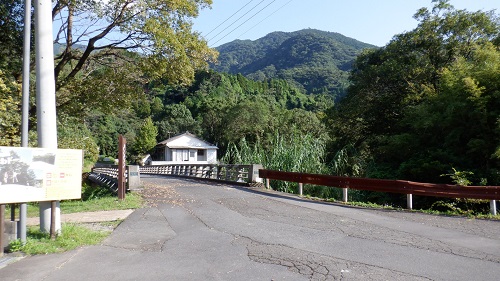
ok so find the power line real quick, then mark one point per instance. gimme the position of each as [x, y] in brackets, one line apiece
[244, 22]
[265, 18]
[230, 17]
[236, 20]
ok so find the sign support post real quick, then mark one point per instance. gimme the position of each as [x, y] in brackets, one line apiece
[121, 166]
[2, 229]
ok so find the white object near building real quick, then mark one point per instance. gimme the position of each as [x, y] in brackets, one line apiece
[184, 149]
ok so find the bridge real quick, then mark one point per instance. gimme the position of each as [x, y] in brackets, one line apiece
[254, 174]
[199, 230]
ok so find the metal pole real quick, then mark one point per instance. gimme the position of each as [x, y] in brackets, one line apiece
[26, 73]
[23, 211]
[25, 104]
[301, 189]
[493, 207]
[45, 95]
[12, 212]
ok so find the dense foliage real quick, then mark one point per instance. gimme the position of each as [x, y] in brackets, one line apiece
[10, 120]
[428, 101]
[224, 108]
[316, 61]
[11, 36]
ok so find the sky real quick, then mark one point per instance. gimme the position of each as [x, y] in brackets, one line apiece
[369, 21]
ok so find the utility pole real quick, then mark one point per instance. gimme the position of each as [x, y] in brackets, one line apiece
[25, 104]
[45, 96]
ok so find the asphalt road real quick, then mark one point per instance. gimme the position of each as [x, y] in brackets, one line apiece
[198, 231]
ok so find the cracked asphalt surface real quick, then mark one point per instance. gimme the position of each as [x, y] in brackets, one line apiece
[193, 230]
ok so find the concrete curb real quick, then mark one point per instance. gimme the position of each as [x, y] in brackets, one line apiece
[88, 217]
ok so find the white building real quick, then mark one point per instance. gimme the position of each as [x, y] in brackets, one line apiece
[184, 149]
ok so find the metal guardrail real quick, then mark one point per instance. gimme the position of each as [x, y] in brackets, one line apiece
[109, 182]
[231, 173]
[107, 176]
[391, 186]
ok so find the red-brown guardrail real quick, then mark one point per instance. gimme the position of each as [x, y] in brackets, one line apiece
[392, 186]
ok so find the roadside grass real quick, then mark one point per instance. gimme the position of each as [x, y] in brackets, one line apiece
[389, 207]
[72, 236]
[131, 201]
[104, 202]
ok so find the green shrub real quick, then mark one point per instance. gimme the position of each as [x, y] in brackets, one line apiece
[106, 159]
[92, 191]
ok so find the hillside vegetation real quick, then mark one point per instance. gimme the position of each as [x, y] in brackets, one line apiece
[313, 60]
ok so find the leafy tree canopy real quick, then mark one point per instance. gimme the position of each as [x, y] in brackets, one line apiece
[106, 51]
[146, 137]
[427, 101]
[11, 36]
[159, 30]
[10, 120]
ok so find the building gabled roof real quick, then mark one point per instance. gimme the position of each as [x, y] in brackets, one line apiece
[186, 140]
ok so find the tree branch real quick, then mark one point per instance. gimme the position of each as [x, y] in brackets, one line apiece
[91, 47]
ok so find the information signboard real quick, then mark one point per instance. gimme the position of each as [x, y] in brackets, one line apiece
[39, 174]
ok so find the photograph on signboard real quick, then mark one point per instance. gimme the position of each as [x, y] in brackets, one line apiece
[16, 168]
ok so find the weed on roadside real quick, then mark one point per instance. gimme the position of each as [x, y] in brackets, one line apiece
[72, 237]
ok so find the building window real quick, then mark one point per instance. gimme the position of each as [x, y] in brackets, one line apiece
[201, 152]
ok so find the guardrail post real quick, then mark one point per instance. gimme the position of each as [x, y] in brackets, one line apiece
[345, 192]
[493, 207]
[301, 189]
[409, 201]
[267, 184]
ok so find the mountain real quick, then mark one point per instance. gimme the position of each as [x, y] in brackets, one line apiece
[59, 48]
[317, 61]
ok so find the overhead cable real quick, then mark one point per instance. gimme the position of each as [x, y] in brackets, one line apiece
[236, 20]
[244, 22]
[229, 17]
[265, 18]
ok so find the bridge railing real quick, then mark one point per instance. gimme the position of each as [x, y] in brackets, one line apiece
[107, 175]
[231, 173]
[392, 186]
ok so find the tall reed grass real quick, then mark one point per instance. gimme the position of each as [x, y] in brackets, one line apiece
[292, 153]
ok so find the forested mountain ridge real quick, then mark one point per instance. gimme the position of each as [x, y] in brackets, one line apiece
[317, 61]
